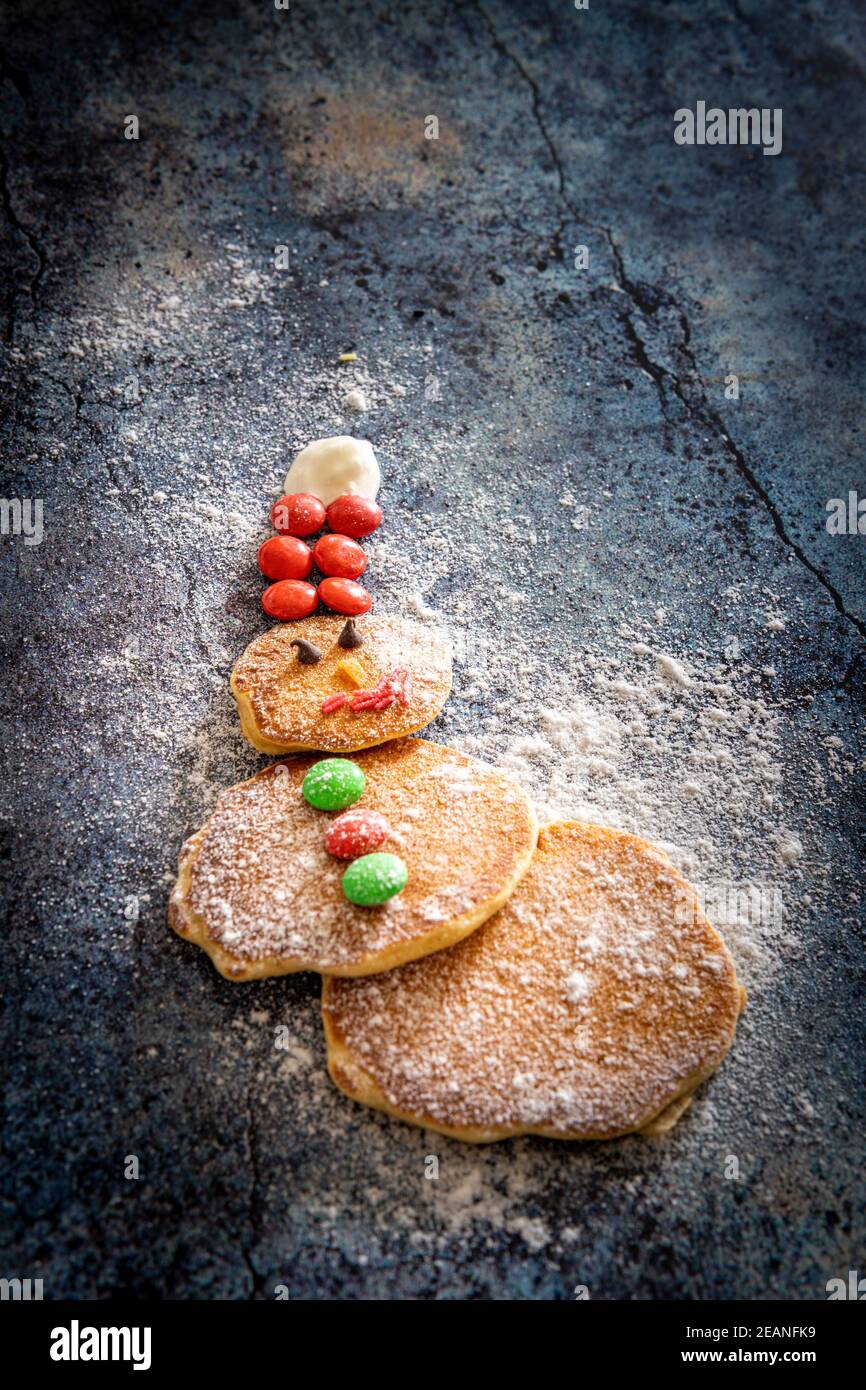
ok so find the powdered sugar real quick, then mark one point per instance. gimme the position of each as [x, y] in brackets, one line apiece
[260, 885]
[690, 761]
[584, 1007]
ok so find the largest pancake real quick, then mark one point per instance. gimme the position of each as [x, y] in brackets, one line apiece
[259, 892]
[591, 1005]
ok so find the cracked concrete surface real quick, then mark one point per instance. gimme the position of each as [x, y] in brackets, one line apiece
[157, 375]
[704, 414]
[646, 301]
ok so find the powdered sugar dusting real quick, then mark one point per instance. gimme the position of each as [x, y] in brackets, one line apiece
[485, 1035]
[263, 886]
[692, 764]
[287, 697]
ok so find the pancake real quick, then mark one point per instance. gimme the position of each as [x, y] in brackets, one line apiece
[259, 892]
[279, 699]
[590, 1006]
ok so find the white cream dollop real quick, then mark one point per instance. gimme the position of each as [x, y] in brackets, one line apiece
[329, 467]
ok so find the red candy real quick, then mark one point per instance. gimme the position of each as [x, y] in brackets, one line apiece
[285, 557]
[333, 702]
[397, 686]
[344, 596]
[356, 832]
[354, 516]
[298, 514]
[289, 599]
[339, 556]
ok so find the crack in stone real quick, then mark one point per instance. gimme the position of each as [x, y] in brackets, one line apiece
[505, 52]
[705, 415]
[28, 235]
[75, 395]
[700, 409]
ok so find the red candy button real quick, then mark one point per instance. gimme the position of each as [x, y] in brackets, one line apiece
[339, 556]
[289, 599]
[285, 557]
[298, 514]
[344, 596]
[354, 516]
[355, 833]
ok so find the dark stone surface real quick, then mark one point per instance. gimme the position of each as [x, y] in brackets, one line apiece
[151, 348]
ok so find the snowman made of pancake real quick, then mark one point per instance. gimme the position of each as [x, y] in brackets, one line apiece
[337, 864]
[480, 979]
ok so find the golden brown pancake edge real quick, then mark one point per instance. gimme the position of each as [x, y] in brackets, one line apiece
[506, 854]
[359, 1083]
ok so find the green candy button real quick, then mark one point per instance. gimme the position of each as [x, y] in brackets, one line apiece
[333, 784]
[374, 878]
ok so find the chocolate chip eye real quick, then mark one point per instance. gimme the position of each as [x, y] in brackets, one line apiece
[308, 655]
[350, 637]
